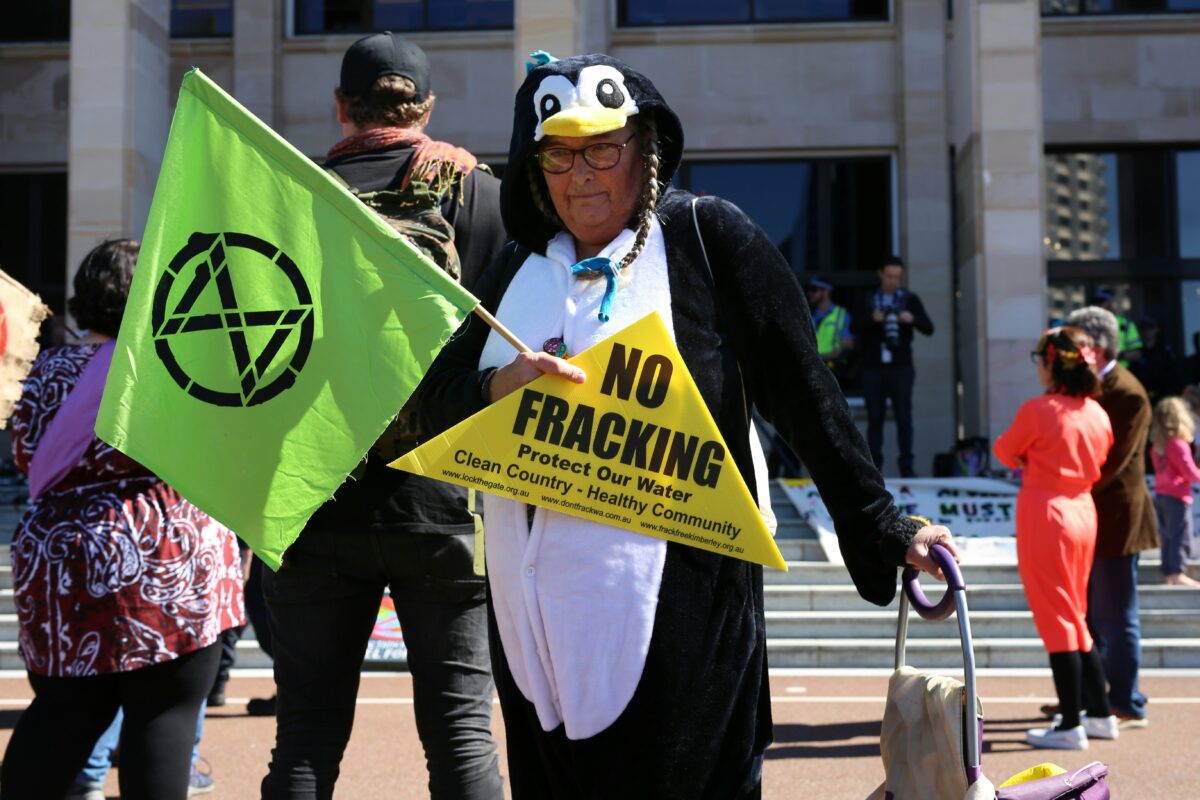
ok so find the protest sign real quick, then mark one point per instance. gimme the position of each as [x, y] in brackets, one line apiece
[981, 512]
[275, 326]
[634, 447]
[386, 645]
[21, 315]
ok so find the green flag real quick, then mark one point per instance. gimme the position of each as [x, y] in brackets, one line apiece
[274, 327]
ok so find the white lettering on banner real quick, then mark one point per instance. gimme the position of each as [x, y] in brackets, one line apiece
[980, 512]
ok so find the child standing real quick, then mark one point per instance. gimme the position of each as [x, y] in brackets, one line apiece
[1171, 434]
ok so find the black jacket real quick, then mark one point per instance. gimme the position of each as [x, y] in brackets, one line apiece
[383, 498]
[868, 334]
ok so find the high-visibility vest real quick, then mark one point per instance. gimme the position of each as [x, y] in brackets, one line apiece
[829, 331]
[1130, 338]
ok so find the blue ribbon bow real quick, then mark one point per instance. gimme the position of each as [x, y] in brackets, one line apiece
[609, 268]
[538, 58]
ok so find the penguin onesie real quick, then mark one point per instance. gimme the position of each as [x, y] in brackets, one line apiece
[627, 666]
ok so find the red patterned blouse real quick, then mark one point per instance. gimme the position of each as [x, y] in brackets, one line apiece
[112, 569]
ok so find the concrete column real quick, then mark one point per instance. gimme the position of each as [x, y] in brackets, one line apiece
[119, 116]
[926, 222]
[997, 132]
[257, 37]
[560, 27]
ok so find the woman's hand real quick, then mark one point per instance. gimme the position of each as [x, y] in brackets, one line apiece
[527, 367]
[918, 552]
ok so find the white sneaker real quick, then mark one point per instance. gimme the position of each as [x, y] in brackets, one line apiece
[1096, 727]
[1053, 739]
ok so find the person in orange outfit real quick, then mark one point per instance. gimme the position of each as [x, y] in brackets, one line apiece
[1060, 440]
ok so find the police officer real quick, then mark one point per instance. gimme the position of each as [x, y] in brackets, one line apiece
[832, 322]
[1129, 343]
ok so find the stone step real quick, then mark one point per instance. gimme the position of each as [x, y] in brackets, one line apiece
[1156, 624]
[946, 654]
[980, 597]
[799, 551]
[809, 572]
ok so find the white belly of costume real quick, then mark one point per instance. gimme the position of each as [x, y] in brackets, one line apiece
[575, 600]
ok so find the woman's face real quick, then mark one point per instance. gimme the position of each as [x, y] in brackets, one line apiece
[596, 204]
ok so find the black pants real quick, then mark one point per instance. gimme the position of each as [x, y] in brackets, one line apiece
[881, 384]
[256, 607]
[256, 612]
[55, 735]
[323, 604]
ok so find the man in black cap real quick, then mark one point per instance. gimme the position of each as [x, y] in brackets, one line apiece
[385, 528]
[884, 332]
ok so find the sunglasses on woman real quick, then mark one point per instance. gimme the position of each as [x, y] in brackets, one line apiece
[601, 155]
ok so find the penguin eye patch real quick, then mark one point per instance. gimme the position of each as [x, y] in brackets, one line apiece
[548, 107]
[609, 94]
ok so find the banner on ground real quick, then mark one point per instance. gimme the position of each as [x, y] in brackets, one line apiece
[274, 328]
[21, 315]
[634, 447]
[386, 645]
[981, 512]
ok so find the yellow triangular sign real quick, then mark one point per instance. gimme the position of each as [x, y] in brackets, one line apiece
[634, 446]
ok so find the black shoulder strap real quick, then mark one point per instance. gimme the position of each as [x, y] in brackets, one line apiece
[718, 295]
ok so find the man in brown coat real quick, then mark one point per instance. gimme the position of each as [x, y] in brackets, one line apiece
[1127, 525]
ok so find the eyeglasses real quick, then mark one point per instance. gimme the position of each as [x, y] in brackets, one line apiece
[1036, 356]
[601, 155]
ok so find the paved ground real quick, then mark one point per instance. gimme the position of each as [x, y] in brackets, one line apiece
[826, 738]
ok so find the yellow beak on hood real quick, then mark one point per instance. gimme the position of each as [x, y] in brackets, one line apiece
[584, 121]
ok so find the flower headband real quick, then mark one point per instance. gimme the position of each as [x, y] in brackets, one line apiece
[1070, 358]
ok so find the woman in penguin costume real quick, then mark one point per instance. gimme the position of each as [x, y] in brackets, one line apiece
[627, 666]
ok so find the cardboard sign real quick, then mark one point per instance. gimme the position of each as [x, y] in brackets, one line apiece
[21, 315]
[633, 447]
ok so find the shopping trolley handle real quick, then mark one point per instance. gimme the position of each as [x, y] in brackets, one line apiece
[954, 582]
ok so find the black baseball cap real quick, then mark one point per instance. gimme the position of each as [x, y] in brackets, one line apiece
[387, 53]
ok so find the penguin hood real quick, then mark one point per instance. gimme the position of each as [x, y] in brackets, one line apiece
[577, 96]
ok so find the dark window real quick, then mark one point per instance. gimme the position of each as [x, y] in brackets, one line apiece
[195, 19]
[366, 16]
[1122, 196]
[825, 215]
[1187, 183]
[1137, 236]
[33, 206]
[45, 21]
[639, 13]
[830, 217]
[1062, 8]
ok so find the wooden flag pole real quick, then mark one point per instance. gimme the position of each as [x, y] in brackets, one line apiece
[499, 328]
[62, 323]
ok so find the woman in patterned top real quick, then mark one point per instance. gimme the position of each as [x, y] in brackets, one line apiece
[122, 586]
